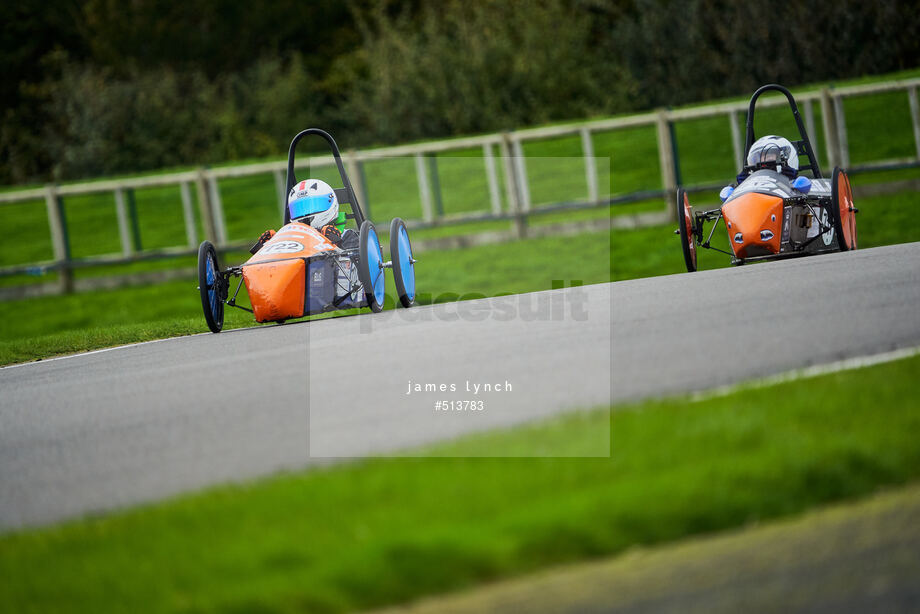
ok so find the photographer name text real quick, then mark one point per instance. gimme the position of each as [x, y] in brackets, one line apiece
[466, 386]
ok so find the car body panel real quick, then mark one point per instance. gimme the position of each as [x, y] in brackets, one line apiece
[276, 289]
[754, 222]
[275, 276]
[294, 240]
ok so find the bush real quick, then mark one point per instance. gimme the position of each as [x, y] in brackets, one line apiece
[690, 50]
[400, 71]
[158, 118]
[462, 67]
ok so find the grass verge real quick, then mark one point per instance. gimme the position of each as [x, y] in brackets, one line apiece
[41, 327]
[834, 559]
[384, 531]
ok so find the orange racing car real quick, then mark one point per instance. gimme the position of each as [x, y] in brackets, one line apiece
[310, 266]
[773, 211]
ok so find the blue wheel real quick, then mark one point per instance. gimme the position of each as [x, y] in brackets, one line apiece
[370, 266]
[403, 262]
[210, 286]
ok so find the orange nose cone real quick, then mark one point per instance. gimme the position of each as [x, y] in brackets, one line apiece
[276, 289]
[754, 223]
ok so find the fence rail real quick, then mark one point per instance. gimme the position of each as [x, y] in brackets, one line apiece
[507, 166]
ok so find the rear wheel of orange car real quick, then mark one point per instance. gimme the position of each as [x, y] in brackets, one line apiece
[370, 266]
[210, 287]
[843, 211]
[685, 229]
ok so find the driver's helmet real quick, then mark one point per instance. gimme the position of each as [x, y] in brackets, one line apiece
[313, 202]
[775, 153]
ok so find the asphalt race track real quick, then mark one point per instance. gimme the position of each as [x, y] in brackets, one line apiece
[122, 426]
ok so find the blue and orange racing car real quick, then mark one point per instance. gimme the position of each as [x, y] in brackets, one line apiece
[298, 271]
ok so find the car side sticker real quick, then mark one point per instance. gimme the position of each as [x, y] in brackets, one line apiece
[787, 227]
[283, 247]
[828, 236]
[820, 187]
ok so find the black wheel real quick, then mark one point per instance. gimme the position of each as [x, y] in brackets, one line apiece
[210, 286]
[842, 211]
[370, 266]
[403, 262]
[685, 229]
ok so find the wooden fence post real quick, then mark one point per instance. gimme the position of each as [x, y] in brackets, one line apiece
[188, 213]
[829, 122]
[915, 117]
[810, 127]
[135, 222]
[435, 185]
[519, 222]
[737, 145]
[667, 163]
[842, 141]
[424, 190]
[356, 174]
[124, 231]
[587, 150]
[204, 204]
[217, 211]
[60, 241]
[280, 189]
[494, 192]
[520, 165]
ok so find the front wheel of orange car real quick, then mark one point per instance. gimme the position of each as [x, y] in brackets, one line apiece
[842, 210]
[210, 287]
[685, 229]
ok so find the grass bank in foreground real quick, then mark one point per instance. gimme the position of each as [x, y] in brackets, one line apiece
[858, 556]
[385, 531]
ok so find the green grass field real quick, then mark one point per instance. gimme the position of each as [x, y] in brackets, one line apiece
[824, 560]
[383, 531]
[879, 128]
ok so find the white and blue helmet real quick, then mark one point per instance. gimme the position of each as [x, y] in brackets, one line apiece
[313, 202]
[776, 153]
